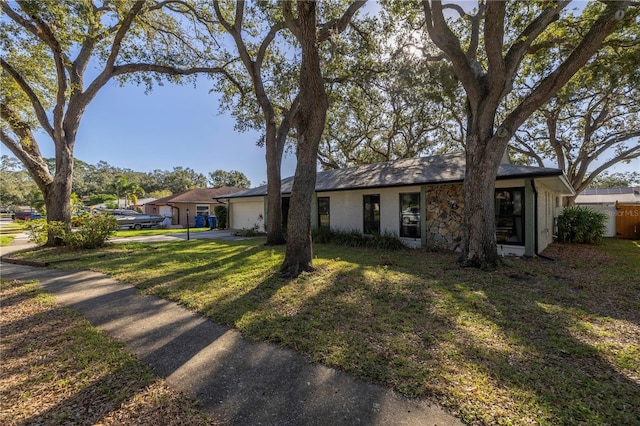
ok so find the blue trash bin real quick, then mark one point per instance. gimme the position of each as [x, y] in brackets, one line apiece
[213, 222]
[200, 221]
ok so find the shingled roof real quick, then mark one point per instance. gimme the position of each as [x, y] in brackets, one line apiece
[410, 171]
[198, 195]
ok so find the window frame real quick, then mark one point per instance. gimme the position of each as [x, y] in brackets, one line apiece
[402, 216]
[327, 214]
[368, 225]
[208, 207]
[513, 219]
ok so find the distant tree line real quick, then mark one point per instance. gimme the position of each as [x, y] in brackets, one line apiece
[103, 182]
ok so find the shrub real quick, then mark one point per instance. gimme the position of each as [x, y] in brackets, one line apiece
[578, 224]
[91, 231]
[39, 230]
[221, 216]
[252, 232]
[354, 238]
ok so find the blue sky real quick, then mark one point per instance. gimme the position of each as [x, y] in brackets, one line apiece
[169, 127]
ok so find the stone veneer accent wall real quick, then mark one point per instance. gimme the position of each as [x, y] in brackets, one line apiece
[445, 217]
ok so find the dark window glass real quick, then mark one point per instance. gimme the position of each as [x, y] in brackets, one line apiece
[371, 214]
[410, 215]
[510, 216]
[323, 212]
[285, 212]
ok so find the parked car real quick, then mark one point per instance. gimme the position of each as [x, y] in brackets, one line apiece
[22, 215]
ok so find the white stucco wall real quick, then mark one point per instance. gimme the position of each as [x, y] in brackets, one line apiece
[246, 213]
[346, 208]
[346, 212]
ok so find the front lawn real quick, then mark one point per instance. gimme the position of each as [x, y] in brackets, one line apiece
[8, 232]
[57, 369]
[536, 342]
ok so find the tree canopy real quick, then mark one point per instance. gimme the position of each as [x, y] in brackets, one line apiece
[593, 122]
[49, 46]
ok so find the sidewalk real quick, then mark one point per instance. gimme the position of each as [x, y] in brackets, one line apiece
[237, 382]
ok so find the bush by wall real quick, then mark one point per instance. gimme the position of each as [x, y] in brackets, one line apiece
[577, 224]
[221, 215]
[353, 238]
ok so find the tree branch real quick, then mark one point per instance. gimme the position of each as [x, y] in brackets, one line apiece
[41, 114]
[338, 26]
[591, 42]
[446, 40]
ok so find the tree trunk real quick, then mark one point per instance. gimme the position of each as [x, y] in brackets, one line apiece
[482, 162]
[273, 224]
[57, 195]
[310, 121]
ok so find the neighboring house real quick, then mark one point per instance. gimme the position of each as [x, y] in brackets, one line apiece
[200, 202]
[621, 205]
[421, 201]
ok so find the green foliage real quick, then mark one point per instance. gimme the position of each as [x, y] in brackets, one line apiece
[91, 231]
[221, 216]
[577, 224]
[251, 232]
[101, 198]
[232, 178]
[615, 180]
[39, 230]
[354, 238]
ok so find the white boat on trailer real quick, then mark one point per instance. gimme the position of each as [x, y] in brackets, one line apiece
[133, 220]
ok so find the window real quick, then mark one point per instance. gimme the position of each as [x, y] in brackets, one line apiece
[371, 214]
[285, 212]
[510, 216]
[202, 210]
[323, 212]
[410, 215]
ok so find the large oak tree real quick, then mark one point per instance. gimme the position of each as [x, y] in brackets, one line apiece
[49, 47]
[486, 49]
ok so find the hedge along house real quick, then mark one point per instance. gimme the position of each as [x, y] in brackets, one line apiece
[421, 201]
[199, 201]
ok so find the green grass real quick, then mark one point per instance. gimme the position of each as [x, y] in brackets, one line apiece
[8, 232]
[5, 240]
[535, 342]
[57, 369]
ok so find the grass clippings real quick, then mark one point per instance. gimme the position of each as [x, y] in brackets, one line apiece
[57, 369]
[536, 342]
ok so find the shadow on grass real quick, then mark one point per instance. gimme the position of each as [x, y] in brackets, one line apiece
[494, 346]
[399, 328]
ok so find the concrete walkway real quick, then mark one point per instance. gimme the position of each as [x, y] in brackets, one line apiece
[237, 382]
